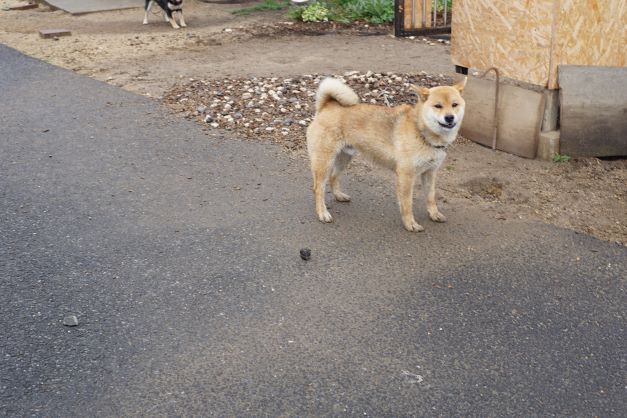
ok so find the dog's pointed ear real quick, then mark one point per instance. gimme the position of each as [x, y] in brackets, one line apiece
[422, 92]
[461, 85]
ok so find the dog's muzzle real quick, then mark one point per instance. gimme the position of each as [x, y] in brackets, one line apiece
[450, 125]
[449, 122]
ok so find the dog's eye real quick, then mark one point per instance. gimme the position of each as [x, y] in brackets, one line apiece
[454, 104]
[438, 106]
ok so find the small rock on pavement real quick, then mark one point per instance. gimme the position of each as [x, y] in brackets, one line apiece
[305, 253]
[70, 321]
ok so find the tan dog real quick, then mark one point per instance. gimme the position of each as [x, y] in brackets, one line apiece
[408, 140]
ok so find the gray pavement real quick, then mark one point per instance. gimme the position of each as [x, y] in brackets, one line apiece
[178, 253]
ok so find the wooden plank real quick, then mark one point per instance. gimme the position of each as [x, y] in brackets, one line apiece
[24, 6]
[413, 8]
[593, 110]
[407, 13]
[54, 33]
[520, 116]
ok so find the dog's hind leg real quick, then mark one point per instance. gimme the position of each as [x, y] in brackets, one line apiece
[147, 10]
[428, 185]
[342, 159]
[321, 158]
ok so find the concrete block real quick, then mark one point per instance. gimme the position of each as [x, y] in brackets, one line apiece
[54, 33]
[593, 110]
[520, 116]
[548, 145]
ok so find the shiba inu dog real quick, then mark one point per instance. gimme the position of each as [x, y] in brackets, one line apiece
[169, 8]
[409, 140]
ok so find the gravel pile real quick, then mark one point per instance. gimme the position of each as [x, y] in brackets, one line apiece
[280, 109]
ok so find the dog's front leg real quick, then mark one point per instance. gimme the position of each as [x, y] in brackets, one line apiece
[405, 191]
[428, 185]
[172, 20]
[182, 19]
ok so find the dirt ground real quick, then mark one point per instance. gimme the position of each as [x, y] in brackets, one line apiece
[587, 195]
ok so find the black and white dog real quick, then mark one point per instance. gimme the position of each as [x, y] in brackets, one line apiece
[169, 8]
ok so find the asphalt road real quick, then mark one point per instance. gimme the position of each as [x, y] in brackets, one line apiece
[178, 252]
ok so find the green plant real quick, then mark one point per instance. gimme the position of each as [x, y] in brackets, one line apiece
[264, 6]
[559, 158]
[439, 6]
[295, 13]
[372, 11]
[315, 12]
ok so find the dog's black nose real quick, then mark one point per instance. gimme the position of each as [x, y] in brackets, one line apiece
[449, 118]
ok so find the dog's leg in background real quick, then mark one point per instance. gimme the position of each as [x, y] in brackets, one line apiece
[342, 159]
[428, 186]
[147, 10]
[405, 191]
[182, 19]
[169, 17]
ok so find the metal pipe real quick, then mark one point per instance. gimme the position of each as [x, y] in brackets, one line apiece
[495, 131]
[435, 13]
[445, 6]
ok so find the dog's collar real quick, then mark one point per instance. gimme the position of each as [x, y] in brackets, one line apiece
[442, 147]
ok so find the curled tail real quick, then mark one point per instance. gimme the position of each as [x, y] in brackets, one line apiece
[333, 89]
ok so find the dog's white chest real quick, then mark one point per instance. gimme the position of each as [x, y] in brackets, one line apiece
[431, 160]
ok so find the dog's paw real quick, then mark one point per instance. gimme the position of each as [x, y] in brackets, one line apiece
[413, 226]
[145, 22]
[436, 216]
[342, 197]
[325, 217]
[183, 25]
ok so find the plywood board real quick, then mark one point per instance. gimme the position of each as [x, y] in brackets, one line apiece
[513, 35]
[589, 32]
[528, 40]
[520, 116]
[593, 110]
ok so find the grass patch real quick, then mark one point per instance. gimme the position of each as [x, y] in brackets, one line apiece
[341, 11]
[560, 158]
[266, 5]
